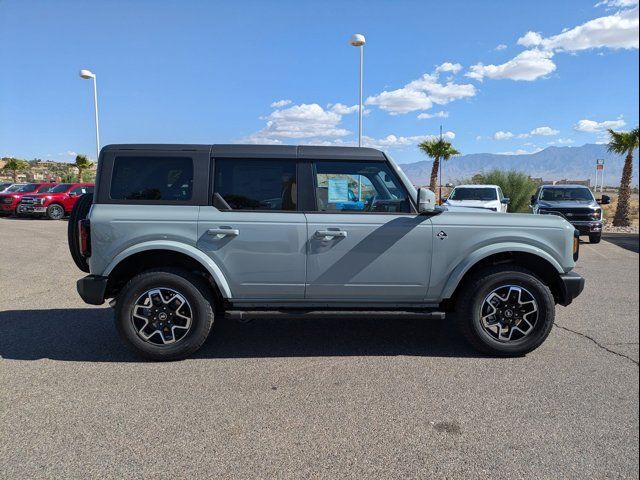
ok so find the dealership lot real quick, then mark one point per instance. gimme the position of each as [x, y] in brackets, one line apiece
[319, 398]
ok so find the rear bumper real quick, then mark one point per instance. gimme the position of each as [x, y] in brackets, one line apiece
[572, 285]
[92, 288]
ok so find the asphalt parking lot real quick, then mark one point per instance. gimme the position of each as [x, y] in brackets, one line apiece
[322, 398]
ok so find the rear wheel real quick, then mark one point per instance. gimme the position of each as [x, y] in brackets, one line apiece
[595, 238]
[55, 211]
[506, 311]
[79, 212]
[164, 314]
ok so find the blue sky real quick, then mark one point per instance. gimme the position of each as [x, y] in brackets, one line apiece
[500, 76]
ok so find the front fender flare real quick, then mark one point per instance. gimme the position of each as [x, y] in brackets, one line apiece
[190, 251]
[464, 266]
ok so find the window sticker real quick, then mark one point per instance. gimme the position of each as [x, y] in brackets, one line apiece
[338, 190]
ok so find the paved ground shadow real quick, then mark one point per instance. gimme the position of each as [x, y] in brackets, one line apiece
[627, 241]
[88, 335]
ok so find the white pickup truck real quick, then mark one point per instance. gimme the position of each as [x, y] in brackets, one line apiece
[489, 197]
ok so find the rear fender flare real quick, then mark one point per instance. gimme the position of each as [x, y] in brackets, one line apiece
[194, 253]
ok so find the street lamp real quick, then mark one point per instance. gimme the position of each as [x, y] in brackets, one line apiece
[87, 74]
[358, 40]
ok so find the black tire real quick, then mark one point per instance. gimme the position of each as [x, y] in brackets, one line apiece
[200, 301]
[470, 303]
[595, 238]
[79, 212]
[55, 211]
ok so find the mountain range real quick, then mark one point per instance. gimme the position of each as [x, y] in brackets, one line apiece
[552, 163]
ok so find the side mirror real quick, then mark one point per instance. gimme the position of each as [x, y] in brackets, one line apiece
[426, 200]
[605, 200]
[505, 201]
[533, 199]
[72, 194]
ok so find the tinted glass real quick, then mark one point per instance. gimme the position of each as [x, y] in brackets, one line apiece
[364, 187]
[29, 187]
[564, 194]
[82, 190]
[260, 184]
[464, 193]
[59, 188]
[152, 178]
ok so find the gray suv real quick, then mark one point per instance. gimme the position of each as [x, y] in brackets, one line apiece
[176, 235]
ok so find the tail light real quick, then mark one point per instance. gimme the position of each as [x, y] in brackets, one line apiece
[84, 237]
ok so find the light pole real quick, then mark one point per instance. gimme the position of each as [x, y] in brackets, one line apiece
[87, 74]
[358, 40]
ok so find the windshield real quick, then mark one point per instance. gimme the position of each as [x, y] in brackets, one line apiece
[467, 193]
[59, 188]
[564, 194]
[29, 187]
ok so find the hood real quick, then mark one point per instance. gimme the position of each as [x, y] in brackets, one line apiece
[567, 204]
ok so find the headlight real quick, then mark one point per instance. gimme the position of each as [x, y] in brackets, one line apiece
[39, 201]
[597, 215]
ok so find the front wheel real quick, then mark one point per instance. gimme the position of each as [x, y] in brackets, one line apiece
[595, 238]
[164, 314]
[506, 311]
[55, 211]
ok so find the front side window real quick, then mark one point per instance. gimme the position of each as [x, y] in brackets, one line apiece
[152, 178]
[256, 184]
[61, 187]
[46, 188]
[467, 193]
[359, 186]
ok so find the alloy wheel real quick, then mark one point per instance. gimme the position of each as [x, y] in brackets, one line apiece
[162, 316]
[509, 313]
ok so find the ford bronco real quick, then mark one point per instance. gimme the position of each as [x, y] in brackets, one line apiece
[176, 235]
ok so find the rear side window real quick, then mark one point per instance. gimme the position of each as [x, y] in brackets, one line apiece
[82, 190]
[152, 178]
[256, 184]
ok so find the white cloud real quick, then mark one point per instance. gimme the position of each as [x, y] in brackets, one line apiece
[500, 47]
[619, 30]
[300, 121]
[342, 109]
[591, 126]
[561, 141]
[423, 93]
[389, 142]
[501, 135]
[280, 103]
[449, 67]
[528, 66]
[478, 138]
[440, 114]
[546, 131]
[617, 3]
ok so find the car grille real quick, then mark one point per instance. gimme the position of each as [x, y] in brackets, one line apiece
[28, 200]
[573, 214]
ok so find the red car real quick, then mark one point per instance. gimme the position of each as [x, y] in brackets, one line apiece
[56, 202]
[9, 200]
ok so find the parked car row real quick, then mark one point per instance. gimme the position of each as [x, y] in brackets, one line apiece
[43, 199]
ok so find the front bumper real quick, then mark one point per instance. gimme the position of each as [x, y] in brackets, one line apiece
[571, 285]
[92, 288]
[590, 227]
[31, 210]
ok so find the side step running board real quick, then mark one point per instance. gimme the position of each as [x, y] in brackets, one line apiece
[245, 315]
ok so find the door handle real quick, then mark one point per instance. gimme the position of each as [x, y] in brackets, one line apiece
[223, 232]
[331, 233]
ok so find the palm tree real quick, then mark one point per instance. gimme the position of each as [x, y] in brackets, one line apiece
[14, 166]
[624, 143]
[82, 164]
[438, 149]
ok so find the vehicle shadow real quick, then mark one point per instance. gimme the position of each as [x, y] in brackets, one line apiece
[89, 335]
[628, 241]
